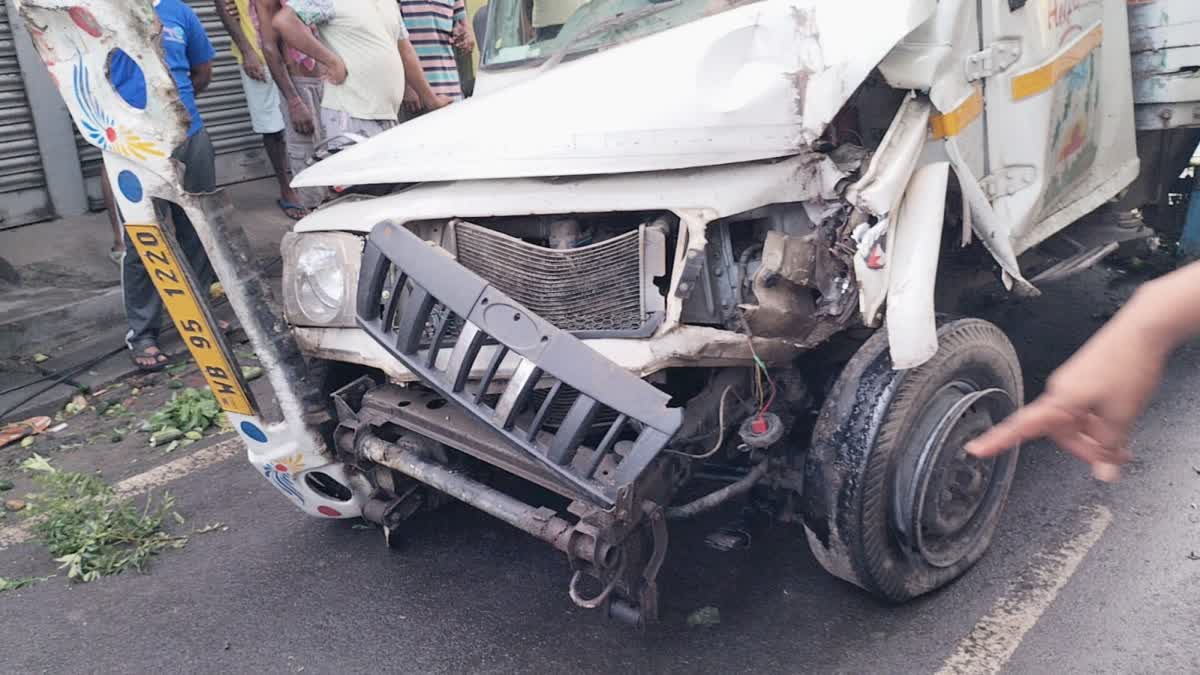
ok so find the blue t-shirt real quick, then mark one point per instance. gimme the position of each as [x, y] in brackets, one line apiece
[185, 46]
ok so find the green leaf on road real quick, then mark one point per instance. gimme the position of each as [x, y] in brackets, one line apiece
[38, 464]
[705, 616]
[89, 529]
[19, 583]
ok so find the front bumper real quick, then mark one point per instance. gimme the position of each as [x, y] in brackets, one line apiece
[411, 299]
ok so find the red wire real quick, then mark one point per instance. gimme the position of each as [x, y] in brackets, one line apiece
[771, 398]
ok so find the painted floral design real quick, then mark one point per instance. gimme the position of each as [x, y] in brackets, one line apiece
[282, 474]
[101, 130]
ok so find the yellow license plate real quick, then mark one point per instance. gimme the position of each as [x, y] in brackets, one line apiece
[193, 324]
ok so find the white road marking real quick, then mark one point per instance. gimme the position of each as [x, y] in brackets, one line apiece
[144, 482]
[996, 637]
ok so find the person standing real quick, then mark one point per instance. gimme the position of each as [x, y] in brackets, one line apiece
[188, 54]
[479, 25]
[436, 28]
[368, 60]
[298, 77]
[262, 97]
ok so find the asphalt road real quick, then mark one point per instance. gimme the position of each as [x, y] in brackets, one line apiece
[1082, 578]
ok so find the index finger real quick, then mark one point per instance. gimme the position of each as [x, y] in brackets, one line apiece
[1036, 420]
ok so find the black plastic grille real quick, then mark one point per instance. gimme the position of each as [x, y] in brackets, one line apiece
[430, 294]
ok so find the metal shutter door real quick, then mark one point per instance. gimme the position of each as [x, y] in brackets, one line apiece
[240, 155]
[23, 195]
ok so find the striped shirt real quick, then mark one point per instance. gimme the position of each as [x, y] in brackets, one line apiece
[430, 24]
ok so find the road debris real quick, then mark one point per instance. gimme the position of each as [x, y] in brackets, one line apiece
[40, 358]
[89, 529]
[78, 404]
[186, 416]
[24, 429]
[1193, 556]
[20, 582]
[705, 616]
[14, 505]
[5, 485]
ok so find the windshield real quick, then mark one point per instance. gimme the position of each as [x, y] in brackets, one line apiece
[524, 32]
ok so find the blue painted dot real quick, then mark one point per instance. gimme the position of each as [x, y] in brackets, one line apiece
[130, 186]
[252, 430]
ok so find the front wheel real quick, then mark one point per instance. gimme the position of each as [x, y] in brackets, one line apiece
[893, 503]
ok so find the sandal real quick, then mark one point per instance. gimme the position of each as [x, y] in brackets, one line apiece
[291, 210]
[142, 354]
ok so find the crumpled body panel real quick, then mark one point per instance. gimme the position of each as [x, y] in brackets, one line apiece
[759, 81]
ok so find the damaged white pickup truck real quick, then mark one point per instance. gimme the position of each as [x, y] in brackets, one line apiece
[678, 254]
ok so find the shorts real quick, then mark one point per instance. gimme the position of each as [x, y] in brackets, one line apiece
[263, 100]
[337, 122]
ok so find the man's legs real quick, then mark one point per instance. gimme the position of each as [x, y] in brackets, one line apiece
[266, 118]
[143, 306]
[114, 217]
[200, 175]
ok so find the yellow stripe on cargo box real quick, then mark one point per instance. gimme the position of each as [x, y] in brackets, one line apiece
[1042, 77]
[193, 323]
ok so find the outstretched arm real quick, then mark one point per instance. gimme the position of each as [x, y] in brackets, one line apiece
[1092, 401]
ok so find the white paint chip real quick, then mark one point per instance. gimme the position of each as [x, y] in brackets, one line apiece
[996, 637]
[144, 482]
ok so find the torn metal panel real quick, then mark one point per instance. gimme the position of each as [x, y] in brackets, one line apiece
[877, 195]
[76, 41]
[879, 190]
[916, 240]
[994, 233]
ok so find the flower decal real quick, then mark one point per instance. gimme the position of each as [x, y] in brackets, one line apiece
[100, 129]
[282, 474]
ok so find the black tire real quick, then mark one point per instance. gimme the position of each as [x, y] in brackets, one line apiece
[859, 467]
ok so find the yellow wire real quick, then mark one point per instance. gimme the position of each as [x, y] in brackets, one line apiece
[758, 387]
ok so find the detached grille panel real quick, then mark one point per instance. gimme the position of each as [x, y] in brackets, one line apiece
[426, 290]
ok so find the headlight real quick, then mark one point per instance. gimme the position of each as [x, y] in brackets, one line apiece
[320, 273]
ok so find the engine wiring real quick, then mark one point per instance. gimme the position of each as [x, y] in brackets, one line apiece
[720, 431]
[761, 373]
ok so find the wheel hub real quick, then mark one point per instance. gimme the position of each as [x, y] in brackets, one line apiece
[942, 494]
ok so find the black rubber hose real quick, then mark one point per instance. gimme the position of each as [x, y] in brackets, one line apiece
[718, 497]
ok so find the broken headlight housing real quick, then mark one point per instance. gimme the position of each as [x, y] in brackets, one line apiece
[320, 274]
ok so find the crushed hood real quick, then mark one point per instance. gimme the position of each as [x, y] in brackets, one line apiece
[755, 82]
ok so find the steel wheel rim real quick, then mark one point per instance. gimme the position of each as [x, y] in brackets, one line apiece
[942, 497]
